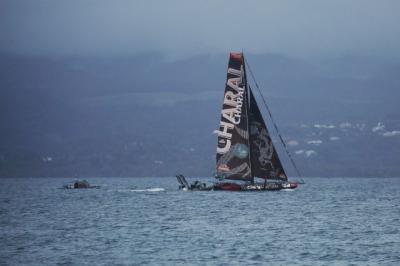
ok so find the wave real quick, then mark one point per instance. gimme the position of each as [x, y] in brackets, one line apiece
[287, 189]
[155, 189]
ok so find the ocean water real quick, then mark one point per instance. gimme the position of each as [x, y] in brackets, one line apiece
[147, 221]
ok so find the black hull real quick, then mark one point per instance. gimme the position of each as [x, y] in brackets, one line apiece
[72, 187]
[229, 187]
[248, 187]
[232, 186]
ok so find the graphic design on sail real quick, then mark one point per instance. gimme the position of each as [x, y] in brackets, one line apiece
[265, 162]
[233, 160]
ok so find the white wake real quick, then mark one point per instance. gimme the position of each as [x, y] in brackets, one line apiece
[155, 189]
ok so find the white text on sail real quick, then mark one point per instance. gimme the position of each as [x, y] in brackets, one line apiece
[232, 108]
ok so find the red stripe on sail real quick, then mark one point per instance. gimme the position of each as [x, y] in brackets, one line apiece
[236, 56]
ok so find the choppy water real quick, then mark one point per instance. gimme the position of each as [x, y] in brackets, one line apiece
[146, 221]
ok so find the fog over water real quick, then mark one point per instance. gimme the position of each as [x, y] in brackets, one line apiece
[179, 28]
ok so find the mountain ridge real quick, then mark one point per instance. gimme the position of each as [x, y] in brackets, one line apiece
[123, 116]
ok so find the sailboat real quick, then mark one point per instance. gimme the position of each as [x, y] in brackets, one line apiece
[245, 150]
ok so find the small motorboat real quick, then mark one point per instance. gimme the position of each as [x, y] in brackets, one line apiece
[79, 184]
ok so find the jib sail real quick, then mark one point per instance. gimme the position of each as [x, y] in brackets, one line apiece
[265, 162]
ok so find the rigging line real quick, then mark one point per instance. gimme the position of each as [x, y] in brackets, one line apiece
[273, 121]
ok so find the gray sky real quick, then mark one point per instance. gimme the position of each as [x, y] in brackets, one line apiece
[184, 28]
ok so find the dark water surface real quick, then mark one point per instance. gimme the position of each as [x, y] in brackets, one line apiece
[146, 221]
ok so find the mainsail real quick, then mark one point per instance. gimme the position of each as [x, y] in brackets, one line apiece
[245, 149]
[233, 157]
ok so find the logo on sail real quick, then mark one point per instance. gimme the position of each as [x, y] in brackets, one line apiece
[241, 151]
[232, 108]
[264, 145]
[223, 168]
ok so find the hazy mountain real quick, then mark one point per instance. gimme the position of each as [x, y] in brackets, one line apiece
[147, 116]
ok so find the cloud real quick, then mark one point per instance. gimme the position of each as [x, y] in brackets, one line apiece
[293, 143]
[307, 153]
[316, 142]
[310, 153]
[334, 138]
[324, 126]
[176, 27]
[391, 133]
[379, 127]
[345, 125]
[361, 126]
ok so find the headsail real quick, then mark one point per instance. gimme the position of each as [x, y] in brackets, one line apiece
[265, 162]
[233, 157]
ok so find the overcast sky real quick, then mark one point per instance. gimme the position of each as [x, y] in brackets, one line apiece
[185, 28]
